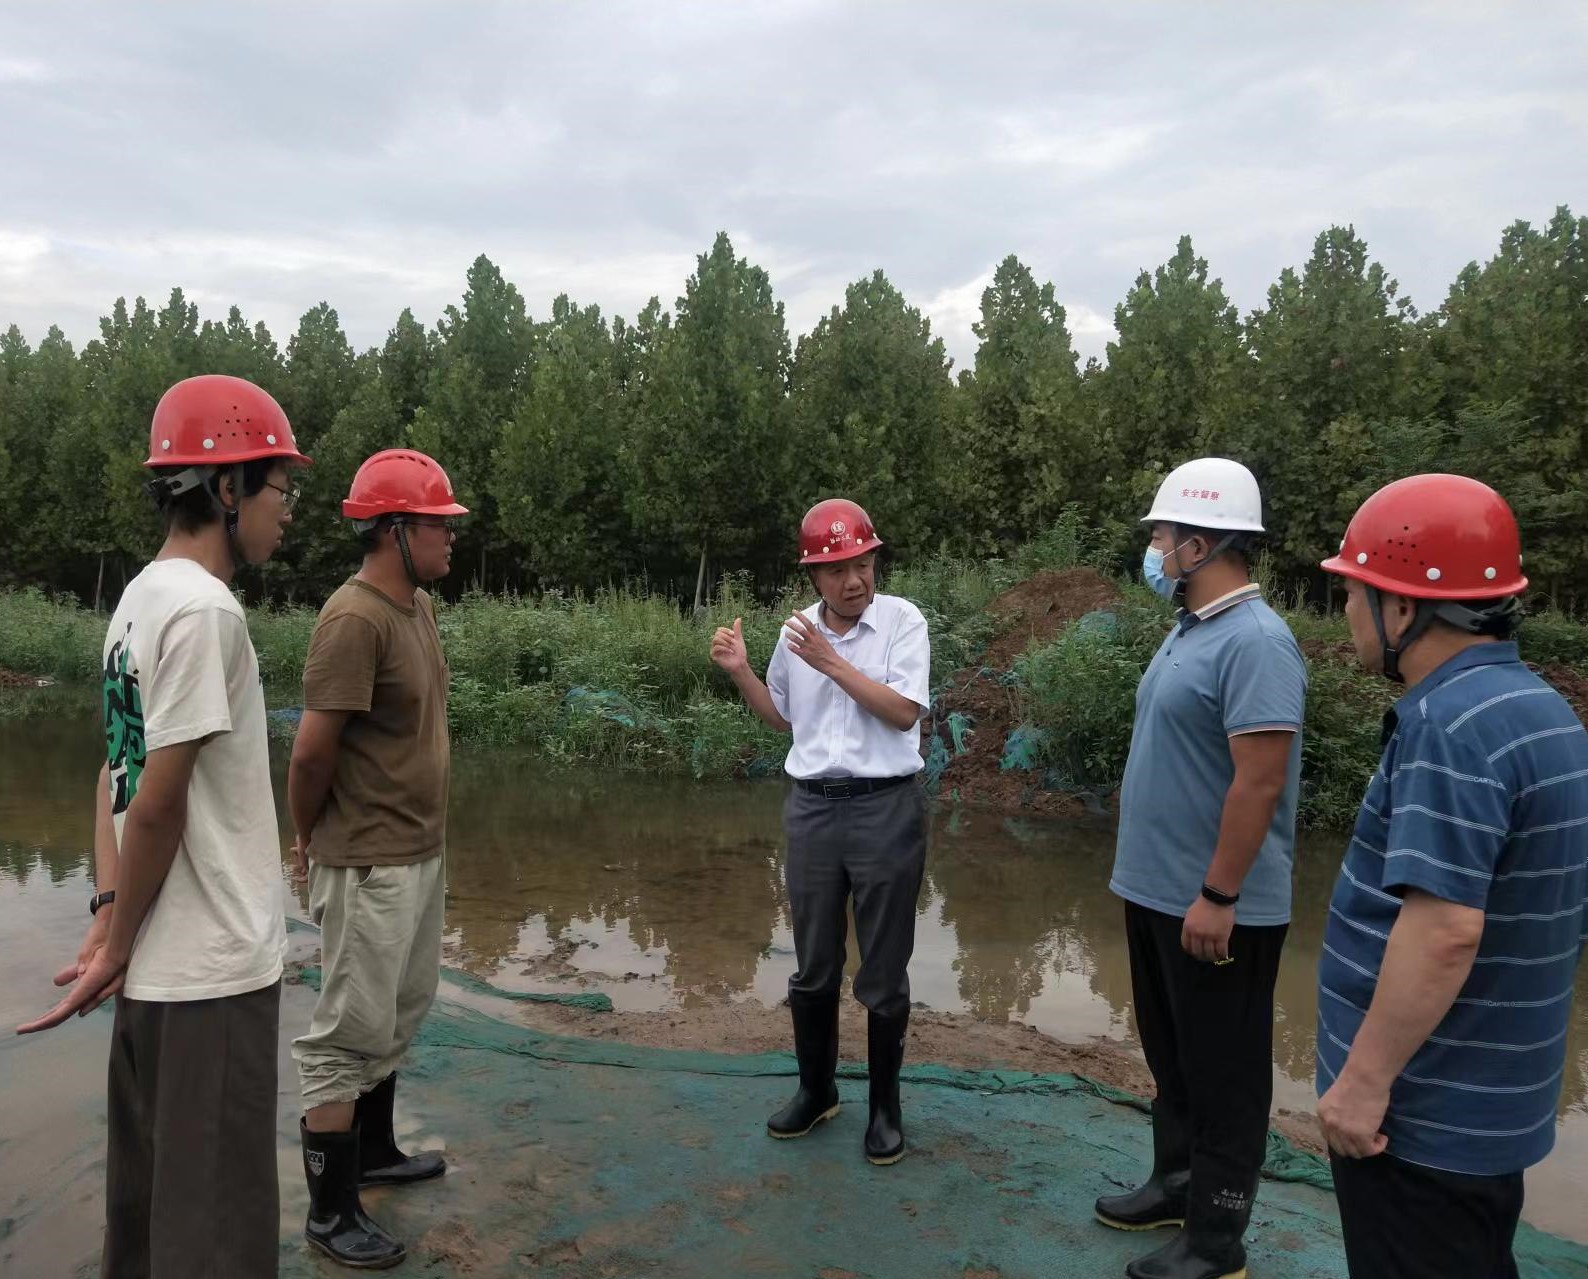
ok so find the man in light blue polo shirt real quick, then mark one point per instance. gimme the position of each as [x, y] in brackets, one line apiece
[1207, 821]
[1457, 924]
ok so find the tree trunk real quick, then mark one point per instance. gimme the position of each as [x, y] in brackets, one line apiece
[99, 582]
[700, 581]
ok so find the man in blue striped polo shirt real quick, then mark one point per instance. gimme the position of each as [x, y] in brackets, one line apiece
[1458, 919]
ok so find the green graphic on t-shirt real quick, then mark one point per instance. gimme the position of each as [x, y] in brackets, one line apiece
[123, 708]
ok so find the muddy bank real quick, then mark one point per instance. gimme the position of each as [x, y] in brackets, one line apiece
[948, 1039]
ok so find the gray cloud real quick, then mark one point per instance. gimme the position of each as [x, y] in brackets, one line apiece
[276, 155]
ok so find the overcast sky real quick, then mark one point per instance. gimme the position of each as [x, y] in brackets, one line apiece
[274, 156]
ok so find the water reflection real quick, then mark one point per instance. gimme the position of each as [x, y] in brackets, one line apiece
[669, 893]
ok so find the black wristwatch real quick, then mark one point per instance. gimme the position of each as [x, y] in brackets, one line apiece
[1218, 898]
[101, 899]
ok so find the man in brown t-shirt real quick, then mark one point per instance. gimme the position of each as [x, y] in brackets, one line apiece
[368, 792]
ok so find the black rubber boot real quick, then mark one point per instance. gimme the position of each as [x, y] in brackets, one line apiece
[1161, 1200]
[380, 1163]
[1209, 1246]
[885, 1054]
[816, 1049]
[337, 1224]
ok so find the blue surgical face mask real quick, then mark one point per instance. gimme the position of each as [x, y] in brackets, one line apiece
[1162, 584]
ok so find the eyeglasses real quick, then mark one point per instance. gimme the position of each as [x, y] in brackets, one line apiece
[289, 497]
[451, 525]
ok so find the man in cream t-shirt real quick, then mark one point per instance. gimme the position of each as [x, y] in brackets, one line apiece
[188, 922]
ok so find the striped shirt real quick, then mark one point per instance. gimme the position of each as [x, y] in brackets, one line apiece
[1481, 798]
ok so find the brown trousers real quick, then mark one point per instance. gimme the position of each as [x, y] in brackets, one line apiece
[190, 1173]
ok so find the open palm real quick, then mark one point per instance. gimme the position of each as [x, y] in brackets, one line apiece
[97, 982]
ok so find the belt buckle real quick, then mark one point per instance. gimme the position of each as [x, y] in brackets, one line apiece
[838, 790]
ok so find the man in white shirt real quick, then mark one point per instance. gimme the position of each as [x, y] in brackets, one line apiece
[849, 678]
[188, 921]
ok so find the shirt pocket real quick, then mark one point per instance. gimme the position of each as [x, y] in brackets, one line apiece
[877, 671]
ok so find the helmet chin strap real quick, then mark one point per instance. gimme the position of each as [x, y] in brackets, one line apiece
[1474, 621]
[1223, 544]
[164, 487]
[400, 532]
[1421, 621]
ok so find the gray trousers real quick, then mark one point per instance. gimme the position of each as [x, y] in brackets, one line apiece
[874, 848]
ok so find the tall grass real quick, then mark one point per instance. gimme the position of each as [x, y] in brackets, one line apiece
[623, 678]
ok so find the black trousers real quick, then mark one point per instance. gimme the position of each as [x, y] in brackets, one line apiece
[874, 848]
[1207, 1031]
[190, 1168]
[1403, 1221]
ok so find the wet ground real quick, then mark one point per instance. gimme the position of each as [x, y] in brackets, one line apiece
[668, 897]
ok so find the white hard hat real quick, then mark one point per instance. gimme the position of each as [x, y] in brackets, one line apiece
[1211, 493]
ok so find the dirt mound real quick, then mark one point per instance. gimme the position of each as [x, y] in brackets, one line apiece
[1570, 683]
[1039, 607]
[1030, 613]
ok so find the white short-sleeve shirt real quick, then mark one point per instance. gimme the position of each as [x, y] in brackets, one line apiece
[833, 735]
[179, 667]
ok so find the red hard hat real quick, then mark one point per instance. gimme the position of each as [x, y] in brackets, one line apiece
[400, 482]
[836, 529]
[1434, 537]
[215, 420]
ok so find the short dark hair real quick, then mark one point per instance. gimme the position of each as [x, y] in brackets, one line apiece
[1501, 617]
[196, 509]
[369, 535]
[1241, 543]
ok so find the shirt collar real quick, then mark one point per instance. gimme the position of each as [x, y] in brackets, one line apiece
[1224, 603]
[1473, 655]
[1467, 659]
[868, 619]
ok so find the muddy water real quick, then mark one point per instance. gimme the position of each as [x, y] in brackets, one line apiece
[669, 895]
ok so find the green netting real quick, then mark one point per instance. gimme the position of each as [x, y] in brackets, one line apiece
[606, 704]
[1022, 747]
[582, 1158]
[959, 728]
[1099, 622]
[577, 1158]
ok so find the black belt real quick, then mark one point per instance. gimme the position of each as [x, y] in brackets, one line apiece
[849, 787]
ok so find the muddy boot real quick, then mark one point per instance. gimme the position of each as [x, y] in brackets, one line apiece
[1161, 1200]
[816, 1049]
[1210, 1244]
[380, 1163]
[337, 1225]
[885, 1052]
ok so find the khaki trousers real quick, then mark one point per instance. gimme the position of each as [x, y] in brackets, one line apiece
[380, 942]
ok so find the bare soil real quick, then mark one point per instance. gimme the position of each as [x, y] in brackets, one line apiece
[1031, 613]
[1038, 608]
[1571, 684]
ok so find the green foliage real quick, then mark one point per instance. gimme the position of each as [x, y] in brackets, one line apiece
[1551, 638]
[594, 450]
[1019, 439]
[710, 458]
[557, 470]
[1081, 689]
[869, 396]
[1178, 380]
[622, 678]
[52, 637]
[1343, 739]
